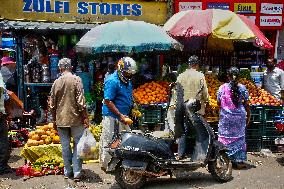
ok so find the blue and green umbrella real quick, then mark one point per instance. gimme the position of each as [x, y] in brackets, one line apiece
[126, 36]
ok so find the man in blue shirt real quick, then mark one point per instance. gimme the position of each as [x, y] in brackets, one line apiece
[117, 104]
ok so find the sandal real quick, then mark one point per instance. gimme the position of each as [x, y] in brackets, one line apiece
[241, 166]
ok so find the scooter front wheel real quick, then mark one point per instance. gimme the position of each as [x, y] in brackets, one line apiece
[221, 167]
[129, 179]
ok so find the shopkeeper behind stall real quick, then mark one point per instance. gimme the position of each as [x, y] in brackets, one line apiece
[273, 79]
[8, 67]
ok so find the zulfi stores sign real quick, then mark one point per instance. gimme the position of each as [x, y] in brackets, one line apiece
[267, 14]
[83, 11]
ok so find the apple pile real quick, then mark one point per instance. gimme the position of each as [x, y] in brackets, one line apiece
[259, 96]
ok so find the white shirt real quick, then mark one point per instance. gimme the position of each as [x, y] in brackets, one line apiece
[191, 81]
[273, 82]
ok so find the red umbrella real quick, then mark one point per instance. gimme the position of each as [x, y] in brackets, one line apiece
[217, 28]
[260, 39]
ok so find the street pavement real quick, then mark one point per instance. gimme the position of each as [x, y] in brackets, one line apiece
[262, 173]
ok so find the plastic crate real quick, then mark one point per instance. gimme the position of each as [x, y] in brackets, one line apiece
[254, 130]
[271, 112]
[269, 129]
[269, 143]
[253, 144]
[256, 114]
[152, 116]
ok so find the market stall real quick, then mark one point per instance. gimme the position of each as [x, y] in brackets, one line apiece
[142, 41]
[43, 151]
[240, 43]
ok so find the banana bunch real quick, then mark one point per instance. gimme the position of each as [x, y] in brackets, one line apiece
[96, 130]
[136, 113]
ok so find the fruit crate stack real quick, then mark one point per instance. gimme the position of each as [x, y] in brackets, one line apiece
[254, 130]
[269, 132]
[153, 114]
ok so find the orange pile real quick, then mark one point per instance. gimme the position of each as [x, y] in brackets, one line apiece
[259, 96]
[151, 93]
[213, 85]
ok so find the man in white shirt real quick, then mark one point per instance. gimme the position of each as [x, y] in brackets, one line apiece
[273, 79]
[194, 85]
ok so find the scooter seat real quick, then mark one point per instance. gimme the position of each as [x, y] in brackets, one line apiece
[162, 134]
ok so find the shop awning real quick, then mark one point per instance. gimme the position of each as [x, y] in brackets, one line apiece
[24, 25]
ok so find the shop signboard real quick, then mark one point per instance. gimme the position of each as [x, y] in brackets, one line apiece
[272, 21]
[84, 11]
[245, 8]
[270, 8]
[214, 5]
[183, 6]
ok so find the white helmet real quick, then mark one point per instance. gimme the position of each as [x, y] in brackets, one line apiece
[126, 68]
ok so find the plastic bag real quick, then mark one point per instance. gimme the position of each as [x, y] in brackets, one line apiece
[86, 148]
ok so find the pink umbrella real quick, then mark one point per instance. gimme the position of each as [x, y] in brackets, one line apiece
[214, 28]
[260, 39]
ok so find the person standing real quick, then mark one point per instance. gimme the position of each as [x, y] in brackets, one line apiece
[233, 99]
[117, 104]
[273, 79]
[110, 70]
[193, 85]
[68, 108]
[4, 139]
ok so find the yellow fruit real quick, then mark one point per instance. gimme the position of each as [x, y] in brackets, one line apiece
[48, 140]
[35, 137]
[56, 139]
[128, 121]
[44, 137]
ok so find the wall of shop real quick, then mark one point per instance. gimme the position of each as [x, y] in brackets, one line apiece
[280, 48]
[266, 14]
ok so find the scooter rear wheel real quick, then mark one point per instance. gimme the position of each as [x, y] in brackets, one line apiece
[129, 179]
[221, 167]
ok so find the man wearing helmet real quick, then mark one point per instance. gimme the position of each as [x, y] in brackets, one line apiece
[117, 103]
[192, 84]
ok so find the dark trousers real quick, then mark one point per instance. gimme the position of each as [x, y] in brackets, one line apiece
[4, 144]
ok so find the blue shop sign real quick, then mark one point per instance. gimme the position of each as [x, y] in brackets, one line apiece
[94, 8]
[223, 6]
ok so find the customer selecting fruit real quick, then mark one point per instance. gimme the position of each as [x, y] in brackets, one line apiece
[233, 99]
[117, 104]
[273, 79]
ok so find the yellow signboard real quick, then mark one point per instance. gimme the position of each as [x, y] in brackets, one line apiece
[88, 11]
[245, 8]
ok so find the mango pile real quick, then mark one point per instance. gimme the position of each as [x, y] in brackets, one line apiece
[259, 96]
[43, 135]
[151, 93]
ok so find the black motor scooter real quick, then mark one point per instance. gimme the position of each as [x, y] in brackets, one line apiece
[138, 156]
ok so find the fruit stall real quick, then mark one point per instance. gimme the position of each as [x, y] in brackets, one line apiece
[43, 151]
[151, 99]
[265, 108]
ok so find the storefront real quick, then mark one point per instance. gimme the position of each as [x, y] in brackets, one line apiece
[268, 16]
[45, 31]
